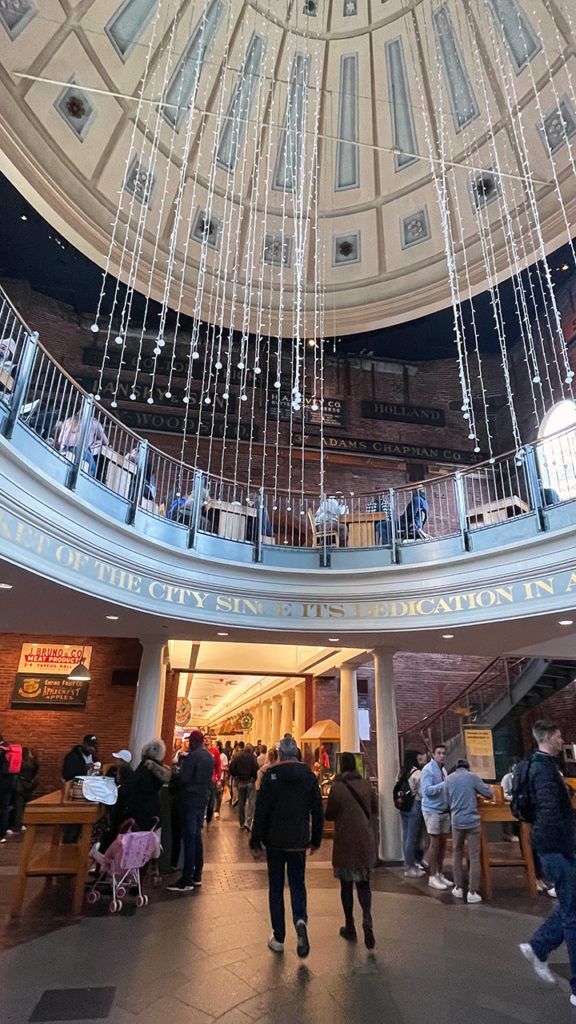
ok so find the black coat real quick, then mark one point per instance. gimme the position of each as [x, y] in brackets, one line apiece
[196, 776]
[139, 797]
[74, 764]
[553, 828]
[244, 767]
[288, 812]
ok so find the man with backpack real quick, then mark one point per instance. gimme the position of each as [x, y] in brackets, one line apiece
[10, 764]
[540, 796]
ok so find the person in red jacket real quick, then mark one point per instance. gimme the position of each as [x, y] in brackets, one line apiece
[215, 799]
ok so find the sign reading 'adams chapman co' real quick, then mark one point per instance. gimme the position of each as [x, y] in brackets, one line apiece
[391, 449]
[403, 413]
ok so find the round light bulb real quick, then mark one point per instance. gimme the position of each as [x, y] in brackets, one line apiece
[207, 400]
[157, 351]
[536, 379]
[240, 366]
[466, 416]
[257, 370]
[195, 355]
[113, 405]
[185, 399]
[277, 384]
[118, 339]
[225, 396]
[243, 398]
[132, 397]
[97, 398]
[150, 400]
[477, 448]
[94, 328]
[314, 406]
[492, 460]
[218, 365]
[168, 394]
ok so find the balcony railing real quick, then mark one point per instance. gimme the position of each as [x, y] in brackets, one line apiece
[146, 486]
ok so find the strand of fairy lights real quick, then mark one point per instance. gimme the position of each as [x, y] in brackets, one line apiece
[123, 192]
[159, 340]
[510, 244]
[442, 193]
[516, 123]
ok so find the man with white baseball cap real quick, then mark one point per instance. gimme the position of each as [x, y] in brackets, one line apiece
[122, 770]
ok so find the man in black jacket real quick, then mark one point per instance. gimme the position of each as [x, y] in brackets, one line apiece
[80, 758]
[195, 782]
[553, 841]
[244, 769]
[288, 822]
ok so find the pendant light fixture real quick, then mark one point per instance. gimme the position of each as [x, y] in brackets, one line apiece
[80, 673]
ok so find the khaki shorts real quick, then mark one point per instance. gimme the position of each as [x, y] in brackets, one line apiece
[437, 823]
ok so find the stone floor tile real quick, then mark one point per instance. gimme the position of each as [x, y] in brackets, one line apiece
[219, 988]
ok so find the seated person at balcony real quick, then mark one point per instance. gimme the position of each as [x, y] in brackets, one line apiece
[549, 496]
[327, 516]
[381, 503]
[410, 525]
[253, 501]
[180, 510]
[68, 433]
[7, 364]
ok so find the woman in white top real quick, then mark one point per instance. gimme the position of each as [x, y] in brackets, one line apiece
[68, 435]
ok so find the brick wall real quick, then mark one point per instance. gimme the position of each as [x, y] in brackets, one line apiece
[65, 333]
[108, 711]
[560, 708]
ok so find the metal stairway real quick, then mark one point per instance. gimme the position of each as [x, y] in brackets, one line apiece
[501, 694]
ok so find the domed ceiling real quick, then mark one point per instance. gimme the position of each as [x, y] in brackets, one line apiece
[238, 159]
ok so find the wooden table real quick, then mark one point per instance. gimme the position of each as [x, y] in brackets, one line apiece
[116, 470]
[497, 511]
[500, 812]
[362, 528]
[58, 858]
[232, 518]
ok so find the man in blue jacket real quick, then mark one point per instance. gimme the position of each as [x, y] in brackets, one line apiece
[288, 822]
[196, 783]
[553, 840]
[436, 815]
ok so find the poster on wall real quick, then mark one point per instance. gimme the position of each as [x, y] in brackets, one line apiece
[47, 691]
[480, 752]
[52, 659]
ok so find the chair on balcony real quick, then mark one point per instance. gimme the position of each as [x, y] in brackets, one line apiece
[324, 533]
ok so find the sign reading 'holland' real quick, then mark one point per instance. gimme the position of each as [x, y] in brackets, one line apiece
[423, 414]
[390, 449]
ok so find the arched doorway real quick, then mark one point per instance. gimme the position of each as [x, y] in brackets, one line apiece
[557, 451]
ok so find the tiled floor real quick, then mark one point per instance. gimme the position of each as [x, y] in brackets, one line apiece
[197, 958]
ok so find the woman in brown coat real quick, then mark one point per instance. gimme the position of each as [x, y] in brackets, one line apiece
[351, 804]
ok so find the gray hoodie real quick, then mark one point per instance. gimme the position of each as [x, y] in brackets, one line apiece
[461, 789]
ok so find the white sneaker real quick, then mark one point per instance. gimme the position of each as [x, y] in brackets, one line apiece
[435, 882]
[458, 892]
[446, 881]
[9, 831]
[414, 873]
[275, 946]
[541, 969]
[552, 892]
[573, 1000]
[474, 897]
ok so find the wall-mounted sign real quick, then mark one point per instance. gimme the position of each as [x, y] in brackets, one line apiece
[50, 659]
[43, 691]
[391, 449]
[162, 422]
[162, 366]
[122, 390]
[423, 414]
[480, 751]
[332, 414]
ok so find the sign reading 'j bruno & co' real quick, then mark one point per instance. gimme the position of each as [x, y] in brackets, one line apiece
[42, 677]
[426, 415]
[43, 691]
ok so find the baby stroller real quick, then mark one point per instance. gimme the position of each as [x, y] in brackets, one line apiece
[120, 865]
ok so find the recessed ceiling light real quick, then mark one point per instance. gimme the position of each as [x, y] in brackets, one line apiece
[333, 639]
[113, 618]
[447, 636]
[565, 622]
[5, 586]
[223, 634]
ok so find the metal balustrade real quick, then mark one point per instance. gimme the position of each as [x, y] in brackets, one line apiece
[179, 503]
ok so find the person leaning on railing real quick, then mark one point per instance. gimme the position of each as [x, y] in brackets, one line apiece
[67, 436]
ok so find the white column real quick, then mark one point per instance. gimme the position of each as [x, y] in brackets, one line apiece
[286, 721]
[300, 712]
[387, 755]
[275, 721]
[349, 731]
[258, 722]
[149, 701]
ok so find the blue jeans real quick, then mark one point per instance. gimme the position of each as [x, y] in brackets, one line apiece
[412, 821]
[382, 531]
[278, 861]
[87, 457]
[192, 821]
[560, 926]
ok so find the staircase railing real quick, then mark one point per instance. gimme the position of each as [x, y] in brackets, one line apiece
[467, 707]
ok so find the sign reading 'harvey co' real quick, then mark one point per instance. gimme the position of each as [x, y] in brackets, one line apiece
[423, 414]
[41, 691]
[331, 414]
[390, 449]
[48, 659]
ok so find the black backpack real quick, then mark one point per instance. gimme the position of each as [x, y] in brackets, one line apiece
[522, 805]
[402, 795]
